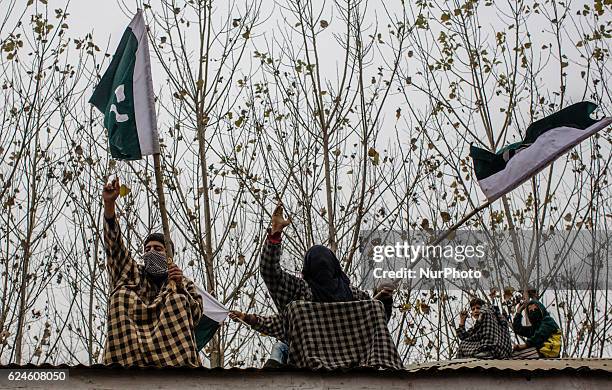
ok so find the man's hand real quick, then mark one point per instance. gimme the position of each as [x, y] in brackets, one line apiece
[175, 273]
[384, 293]
[520, 308]
[110, 193]
[278, 220]
[463, 314]
[237, 316]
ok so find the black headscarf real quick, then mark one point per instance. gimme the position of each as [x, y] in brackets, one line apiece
[325, 277]
[540, 315]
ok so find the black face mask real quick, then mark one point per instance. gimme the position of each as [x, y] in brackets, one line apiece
[535, 316]
[155, 266]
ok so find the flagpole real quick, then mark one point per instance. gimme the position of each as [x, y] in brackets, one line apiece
[163, 211]
[446, 233]
[463, 220]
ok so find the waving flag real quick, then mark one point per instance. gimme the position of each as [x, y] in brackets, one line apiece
[125, 96]
[546, 140]
[214, 314]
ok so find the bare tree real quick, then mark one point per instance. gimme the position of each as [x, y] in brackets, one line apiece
[357, 115]
[40, 77]
[480, 73]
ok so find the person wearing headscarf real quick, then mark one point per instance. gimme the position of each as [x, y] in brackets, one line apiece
[323, 279]
[150, 322]
[542, 336]
[488, 338]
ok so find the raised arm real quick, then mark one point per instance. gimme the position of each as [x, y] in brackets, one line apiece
[122, 269]
[519, 329]
[282, 286]
[461, 332]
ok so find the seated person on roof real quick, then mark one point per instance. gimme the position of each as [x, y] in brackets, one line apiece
[542, 337]
[150, 321]
[488, 338]
[323, 280]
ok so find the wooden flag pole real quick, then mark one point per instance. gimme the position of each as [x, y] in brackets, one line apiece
[459, 223]
[164, 213]
[446, 233]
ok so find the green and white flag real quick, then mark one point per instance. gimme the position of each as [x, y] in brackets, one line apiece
[546, 140]
[125, 96]
[214, 314]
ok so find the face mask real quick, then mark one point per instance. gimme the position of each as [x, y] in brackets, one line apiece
[535, 316]
[155, 266]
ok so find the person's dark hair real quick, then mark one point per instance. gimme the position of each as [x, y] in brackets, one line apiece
[476, 301]
[159, 237]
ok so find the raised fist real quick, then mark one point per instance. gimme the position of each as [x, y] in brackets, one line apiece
[110, 192]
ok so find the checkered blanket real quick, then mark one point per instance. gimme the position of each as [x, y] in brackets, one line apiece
[284, 287]
[334, 335]
[146, 325]
[490, 333]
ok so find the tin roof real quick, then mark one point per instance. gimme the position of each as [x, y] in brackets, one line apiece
[603, 365]
[478, 365]
[465, 374]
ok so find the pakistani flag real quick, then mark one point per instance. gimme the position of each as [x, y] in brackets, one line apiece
[545, 141]
[125, 96]
[214, 314]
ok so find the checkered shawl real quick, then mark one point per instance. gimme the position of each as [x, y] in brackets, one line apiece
[334, 335]
[283, 287]
[147, 325]
[490, 333]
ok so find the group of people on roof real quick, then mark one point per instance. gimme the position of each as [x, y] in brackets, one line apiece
[489, 336]
[321, 320]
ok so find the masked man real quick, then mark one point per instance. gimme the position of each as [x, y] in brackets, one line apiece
[542, 335]
[150, 321]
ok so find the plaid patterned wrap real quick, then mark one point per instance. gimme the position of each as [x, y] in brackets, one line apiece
[334, 335]
[146, 325]
[490, 333]
[283, 287]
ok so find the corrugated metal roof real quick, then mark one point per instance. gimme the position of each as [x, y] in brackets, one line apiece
[603, 365]
[450, 366]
